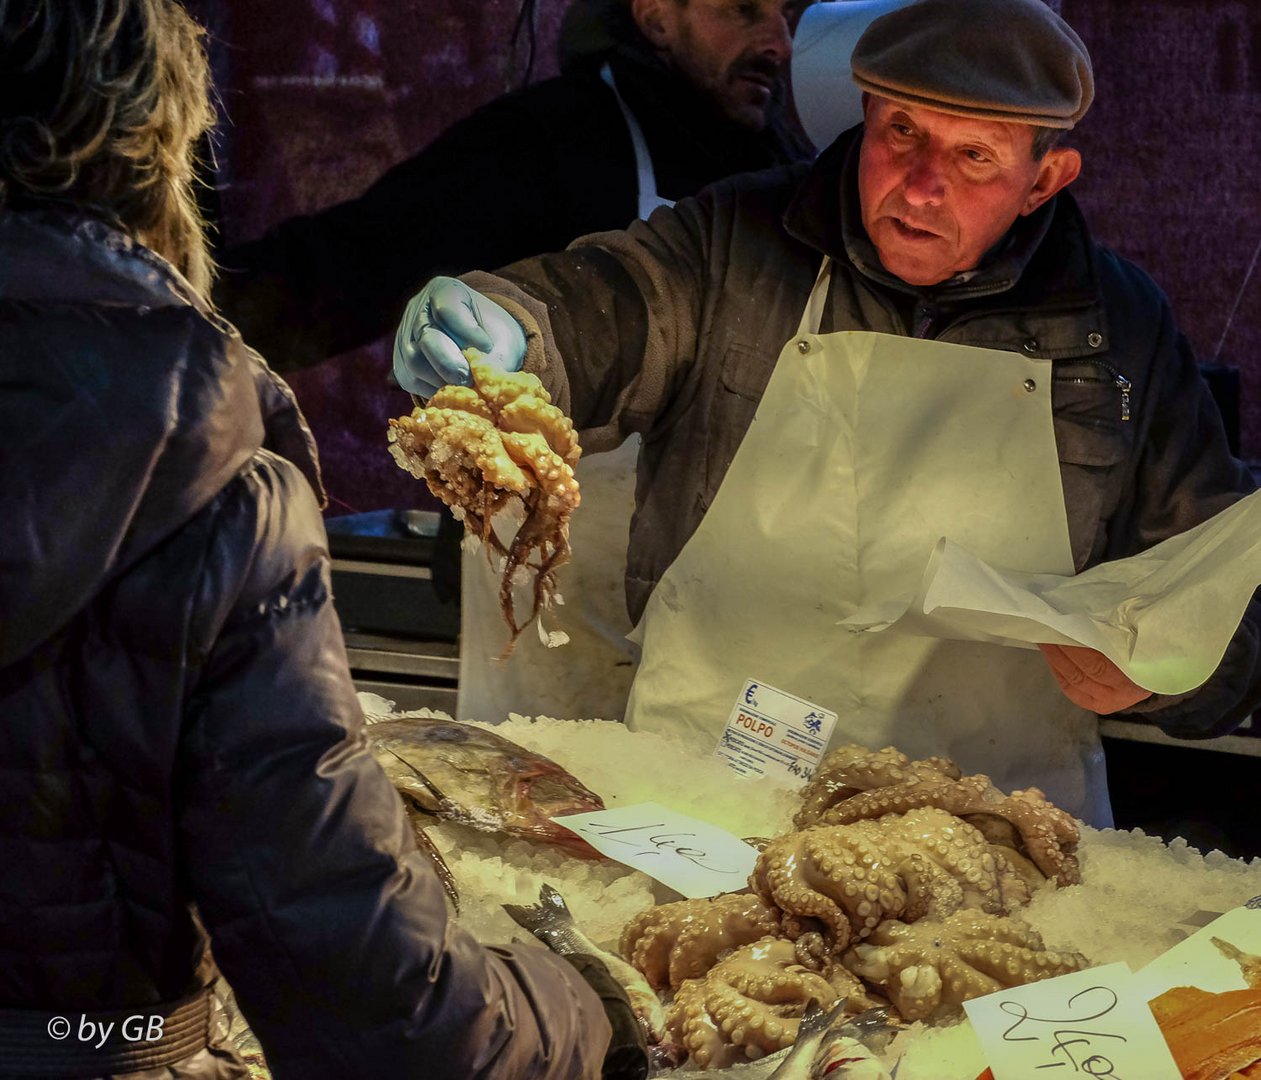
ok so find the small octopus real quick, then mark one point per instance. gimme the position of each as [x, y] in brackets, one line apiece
[849, 878]
[683, 940]
[750, 1004]
[484, 447]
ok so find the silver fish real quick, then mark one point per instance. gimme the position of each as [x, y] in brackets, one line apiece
[550, 921]
[474, 777]
[830, 1044]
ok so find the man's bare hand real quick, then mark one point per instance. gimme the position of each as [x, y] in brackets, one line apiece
[1091, 680]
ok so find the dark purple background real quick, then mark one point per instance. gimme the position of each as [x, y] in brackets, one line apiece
[320, 96]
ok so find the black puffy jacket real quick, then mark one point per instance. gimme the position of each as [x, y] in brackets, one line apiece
[178, 728]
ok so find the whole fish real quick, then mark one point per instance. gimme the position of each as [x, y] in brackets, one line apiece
[550, 921]
[830, 1044]
[474, 777]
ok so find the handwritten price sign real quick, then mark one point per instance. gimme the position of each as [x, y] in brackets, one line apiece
[692, 857]
[1090, 1023]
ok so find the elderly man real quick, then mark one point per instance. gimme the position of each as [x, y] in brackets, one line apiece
[832, 366]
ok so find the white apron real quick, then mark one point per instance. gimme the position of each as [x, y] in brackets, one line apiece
[865, 450]
[590, 676]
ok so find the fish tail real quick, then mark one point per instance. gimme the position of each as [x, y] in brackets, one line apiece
[550, 912]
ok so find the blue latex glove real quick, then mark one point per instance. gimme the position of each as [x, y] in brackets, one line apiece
[445, 317]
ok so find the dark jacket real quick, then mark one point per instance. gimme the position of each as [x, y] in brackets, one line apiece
[525, 174]
[672, 329]
[177, 722]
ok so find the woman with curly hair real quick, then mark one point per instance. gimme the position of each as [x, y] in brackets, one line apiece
[181, 760]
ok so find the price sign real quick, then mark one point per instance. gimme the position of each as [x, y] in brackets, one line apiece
[692, 857]
[1205, 959]
[1090, 1023]
[772, 731]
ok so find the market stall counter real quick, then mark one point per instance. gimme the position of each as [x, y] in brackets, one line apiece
[1078, 898]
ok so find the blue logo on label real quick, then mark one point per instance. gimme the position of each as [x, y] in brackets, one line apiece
[814, 722]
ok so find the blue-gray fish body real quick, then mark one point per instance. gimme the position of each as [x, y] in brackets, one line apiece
[550, 921]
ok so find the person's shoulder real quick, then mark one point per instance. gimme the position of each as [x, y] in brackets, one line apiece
[1123, 274]
[551, 102]
[1117, 275]
[264, 529]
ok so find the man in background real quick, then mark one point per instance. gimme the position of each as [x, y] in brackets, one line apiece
[655, 100]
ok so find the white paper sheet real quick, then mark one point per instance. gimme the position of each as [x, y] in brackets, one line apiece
[692, 857]
[1163, 617]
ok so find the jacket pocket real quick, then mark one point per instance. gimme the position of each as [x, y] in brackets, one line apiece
[1093, 460]
[742, 380]
[746, 370]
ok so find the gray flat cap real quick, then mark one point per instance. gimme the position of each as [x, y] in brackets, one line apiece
[1011, 60]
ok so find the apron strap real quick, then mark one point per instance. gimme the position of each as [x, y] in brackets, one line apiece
[648, 199]
[812, 317]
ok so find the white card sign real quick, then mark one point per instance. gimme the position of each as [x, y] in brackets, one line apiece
[1090, 1023]
[1199, 961]
[691, 856]
[772, 731]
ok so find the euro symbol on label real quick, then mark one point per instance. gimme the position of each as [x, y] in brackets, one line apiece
[749, 699]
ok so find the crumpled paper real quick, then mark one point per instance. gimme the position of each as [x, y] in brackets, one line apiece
[1164, 617]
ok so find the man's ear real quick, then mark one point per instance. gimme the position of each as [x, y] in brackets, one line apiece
[649, 18]
[1056, 171]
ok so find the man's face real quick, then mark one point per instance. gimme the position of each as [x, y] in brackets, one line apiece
[735, 51]
[938, 191]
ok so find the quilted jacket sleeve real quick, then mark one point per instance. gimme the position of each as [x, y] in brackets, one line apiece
[1184, 475]
[331, 928]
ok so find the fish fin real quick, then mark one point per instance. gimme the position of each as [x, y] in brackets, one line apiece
[439, 796]
[816, 1018]
[871, 1023]
[427, 847]
[553, 901]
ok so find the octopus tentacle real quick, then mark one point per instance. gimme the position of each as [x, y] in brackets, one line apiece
[851, 877]
[851, 769]
[481, 447]
[933, 966]
[1044, 833]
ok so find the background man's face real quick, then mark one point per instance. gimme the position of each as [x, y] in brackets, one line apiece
[938, 191]
[734, 50]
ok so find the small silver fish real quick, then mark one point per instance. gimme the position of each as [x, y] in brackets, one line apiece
[829, 1044]
[550, 921]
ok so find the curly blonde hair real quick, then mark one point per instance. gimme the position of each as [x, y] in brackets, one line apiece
[101, 105]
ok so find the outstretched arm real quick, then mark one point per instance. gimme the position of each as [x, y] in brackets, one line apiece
[331, 928]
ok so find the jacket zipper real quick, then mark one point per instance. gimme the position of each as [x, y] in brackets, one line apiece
[1118, 380]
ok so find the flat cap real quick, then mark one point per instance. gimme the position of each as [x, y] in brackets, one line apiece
[1010, 60]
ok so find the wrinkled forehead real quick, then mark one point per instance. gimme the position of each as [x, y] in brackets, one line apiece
[943, 123]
